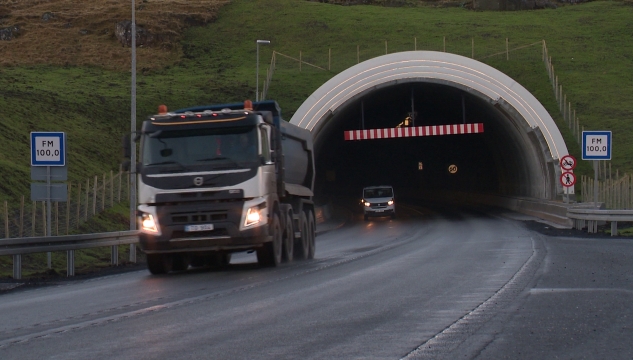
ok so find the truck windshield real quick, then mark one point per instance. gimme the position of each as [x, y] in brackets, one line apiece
[377, 193]
[222, 148]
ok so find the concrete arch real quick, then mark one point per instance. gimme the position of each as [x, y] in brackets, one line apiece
[536, 131]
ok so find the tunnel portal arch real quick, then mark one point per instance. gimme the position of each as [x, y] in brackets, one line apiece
[519, 114]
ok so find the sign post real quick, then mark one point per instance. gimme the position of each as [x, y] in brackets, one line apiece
[48, 162]
[567, 178]
[596, 145]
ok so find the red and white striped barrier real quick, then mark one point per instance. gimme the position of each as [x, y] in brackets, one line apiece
[390, 133]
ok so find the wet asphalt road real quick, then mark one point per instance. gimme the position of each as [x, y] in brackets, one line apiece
[434, 283]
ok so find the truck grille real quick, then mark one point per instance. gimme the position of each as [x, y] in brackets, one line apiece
[196, 234]
[192, 218]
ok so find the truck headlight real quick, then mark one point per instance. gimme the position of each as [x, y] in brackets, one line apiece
[252, 216]
[148, 223]
[390, 202]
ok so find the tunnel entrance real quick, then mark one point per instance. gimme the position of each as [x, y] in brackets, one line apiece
[516, 155]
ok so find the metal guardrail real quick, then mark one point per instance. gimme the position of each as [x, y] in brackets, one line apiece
[69, 243]
[590, 218]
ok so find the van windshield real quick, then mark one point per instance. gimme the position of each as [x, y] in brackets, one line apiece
[378, 193]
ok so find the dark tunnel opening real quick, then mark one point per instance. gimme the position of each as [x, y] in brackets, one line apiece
[476, 163]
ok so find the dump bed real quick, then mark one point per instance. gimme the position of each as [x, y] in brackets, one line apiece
[296, 144]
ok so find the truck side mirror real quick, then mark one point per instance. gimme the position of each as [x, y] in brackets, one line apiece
[127, 149]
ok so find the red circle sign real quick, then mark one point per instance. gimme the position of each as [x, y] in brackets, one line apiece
[568, 162]
[567, 179]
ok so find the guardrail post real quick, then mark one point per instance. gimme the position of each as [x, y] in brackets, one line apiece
[614, 228]
[133, 253]
[592, 226]
[17, 267]
[70, 263]
[114, 255]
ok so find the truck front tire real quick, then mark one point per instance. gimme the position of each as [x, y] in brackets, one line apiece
[269, 255]
[158, 264]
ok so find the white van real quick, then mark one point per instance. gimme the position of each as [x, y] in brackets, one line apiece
[378, 201]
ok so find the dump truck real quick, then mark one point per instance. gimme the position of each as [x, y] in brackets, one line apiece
[218, 179]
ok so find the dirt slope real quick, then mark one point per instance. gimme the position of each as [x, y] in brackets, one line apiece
[82, 32]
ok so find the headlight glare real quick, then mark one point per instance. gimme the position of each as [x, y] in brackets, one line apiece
[390, 202]
[148, 223]
[252, 216]
[367, 203]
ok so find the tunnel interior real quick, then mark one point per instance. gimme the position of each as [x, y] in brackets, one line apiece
[503, 160]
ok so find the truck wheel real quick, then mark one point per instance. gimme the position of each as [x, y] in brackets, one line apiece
[269, 255]
[302, 247]
[289, 239]
[312, 235]
[158, 264]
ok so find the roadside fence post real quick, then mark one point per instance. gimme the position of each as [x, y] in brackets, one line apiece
[94, 196]
[111, 188]
[87, 199]
[33, 210]
[68, 205]
[78, 205]
[57, 218]
[103, 193]
[120, 175]
[6, 220]
[21, 216]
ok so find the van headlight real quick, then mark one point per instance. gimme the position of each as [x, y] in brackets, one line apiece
[367, 203]
[253, 216]
[390, 202]
[148, 223]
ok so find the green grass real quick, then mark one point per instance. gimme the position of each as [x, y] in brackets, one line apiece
[591, 46]
[624, 232]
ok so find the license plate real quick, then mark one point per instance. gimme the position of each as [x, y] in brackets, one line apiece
[201, 227]
[380, 210]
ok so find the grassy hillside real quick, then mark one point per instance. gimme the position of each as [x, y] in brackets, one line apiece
[81, 84]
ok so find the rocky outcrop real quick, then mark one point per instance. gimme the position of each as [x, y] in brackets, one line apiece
[9, 33]
[47, 16]
[123, 32]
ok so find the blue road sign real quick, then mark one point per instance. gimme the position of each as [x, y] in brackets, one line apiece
[48, 149]
[596, 145]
